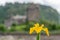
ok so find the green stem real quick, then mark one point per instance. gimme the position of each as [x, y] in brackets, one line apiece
[38, 36]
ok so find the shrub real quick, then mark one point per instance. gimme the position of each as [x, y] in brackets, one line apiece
[2, 28]
[52, 27]
[48, 24]
[30, 24]
[14, 24]
[58, 27]
[12, 29]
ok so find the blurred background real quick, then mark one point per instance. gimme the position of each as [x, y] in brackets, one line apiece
[17, 16]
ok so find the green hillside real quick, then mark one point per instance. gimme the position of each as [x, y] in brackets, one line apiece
[46, 12]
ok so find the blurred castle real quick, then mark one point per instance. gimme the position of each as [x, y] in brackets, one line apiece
[32, 15]
[18, 19]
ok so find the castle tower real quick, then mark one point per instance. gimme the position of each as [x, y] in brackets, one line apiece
[33, 12]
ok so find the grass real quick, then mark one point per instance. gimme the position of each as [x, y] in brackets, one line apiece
[20, 27]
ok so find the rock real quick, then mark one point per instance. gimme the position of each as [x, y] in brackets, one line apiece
[9, 37]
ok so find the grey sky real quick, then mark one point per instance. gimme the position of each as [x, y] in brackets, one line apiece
[53, 3]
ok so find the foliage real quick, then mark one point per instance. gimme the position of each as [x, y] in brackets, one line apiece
[18, 28]
[2, 28]
[28, 25]
[50, 25]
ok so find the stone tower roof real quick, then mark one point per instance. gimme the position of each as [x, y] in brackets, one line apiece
[33, 6]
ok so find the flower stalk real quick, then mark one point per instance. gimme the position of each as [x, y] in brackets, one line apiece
[38, 37]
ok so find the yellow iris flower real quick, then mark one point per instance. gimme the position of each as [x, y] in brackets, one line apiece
[46, 30]
[38, 28]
